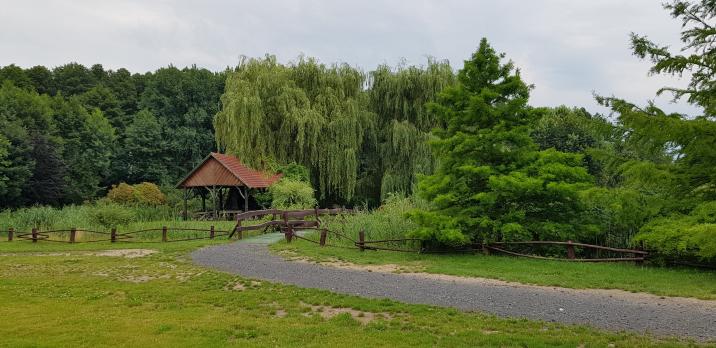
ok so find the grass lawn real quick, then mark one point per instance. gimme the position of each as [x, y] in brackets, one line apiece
[683, 282]
[56, 295]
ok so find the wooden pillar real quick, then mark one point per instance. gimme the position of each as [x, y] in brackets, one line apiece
[361, 240]
[246, 198]
[164, 233]
[570, 250]
[211, 232]
[221, 199]
[289, 233]
[186, 197]
[324, 233]
[10, 234]
[113, 235]
[34, 235]
[73, 234]
[203, 201]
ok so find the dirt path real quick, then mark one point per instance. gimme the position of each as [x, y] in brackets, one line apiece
[606, 309]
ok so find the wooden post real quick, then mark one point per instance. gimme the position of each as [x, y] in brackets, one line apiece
[246, 198]
[10, 234]
[485, 249]
[324, 233]
[73, 234]
[164, 233]
[289, 233]
[241, 234]
[113, 235]
[570, 250]
[186, 212]
[361, 240]
[34, 235]
[211, 232]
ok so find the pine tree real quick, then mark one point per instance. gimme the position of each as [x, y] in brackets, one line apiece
[492, 181]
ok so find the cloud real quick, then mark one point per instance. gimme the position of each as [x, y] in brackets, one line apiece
[568, 49]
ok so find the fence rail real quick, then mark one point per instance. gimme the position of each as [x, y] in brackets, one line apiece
[113, 236]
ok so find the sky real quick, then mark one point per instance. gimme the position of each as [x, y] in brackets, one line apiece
[569, 49]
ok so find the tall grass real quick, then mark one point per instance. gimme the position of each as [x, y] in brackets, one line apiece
[388, 221]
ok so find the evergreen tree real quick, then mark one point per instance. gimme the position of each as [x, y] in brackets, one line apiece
[492, 181]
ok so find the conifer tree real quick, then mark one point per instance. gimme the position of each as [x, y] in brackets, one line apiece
[492, 181]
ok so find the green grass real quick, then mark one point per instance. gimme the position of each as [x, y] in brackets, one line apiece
[684, 282]
[83, 300]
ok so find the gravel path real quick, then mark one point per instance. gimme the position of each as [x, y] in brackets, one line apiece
[606, 309]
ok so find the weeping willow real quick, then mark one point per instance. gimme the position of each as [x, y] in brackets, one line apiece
[360, 135]
[398, 97]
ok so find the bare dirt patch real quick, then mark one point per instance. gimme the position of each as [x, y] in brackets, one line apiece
[126, 253]
[360, 316]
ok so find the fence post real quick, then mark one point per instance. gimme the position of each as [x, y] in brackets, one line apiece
[324, 233]
[73, 234]
[361, 240]
[241, 234]
[211, 232]
[10, 233]
[289, 233]
[485, 249]
[164, 233]
[113, 235]
[34, 235]
[570, 250]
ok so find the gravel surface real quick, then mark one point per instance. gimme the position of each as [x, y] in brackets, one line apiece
[612, 310]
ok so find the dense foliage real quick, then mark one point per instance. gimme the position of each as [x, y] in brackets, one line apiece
[68, 133]
[360, 135]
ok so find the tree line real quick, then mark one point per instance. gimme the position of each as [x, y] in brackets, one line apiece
[68, 133]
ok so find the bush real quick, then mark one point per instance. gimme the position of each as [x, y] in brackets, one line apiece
[111, 215]
[122, 194]
[292, 194]
[148, 194]
[145, 193]
[686, 237]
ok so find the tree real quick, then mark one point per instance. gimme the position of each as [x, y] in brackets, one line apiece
[142, 157]
[398, 97]
[47, 183]
[87, 140]
[73, 79]
[307, 113]
[492, 181]
[698, 37]
[18, 76]
[22, 114]
[41, 78]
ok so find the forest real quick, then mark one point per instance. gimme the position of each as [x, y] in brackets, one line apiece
[464, 140]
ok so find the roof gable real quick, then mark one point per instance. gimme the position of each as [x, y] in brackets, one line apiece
[225, 170]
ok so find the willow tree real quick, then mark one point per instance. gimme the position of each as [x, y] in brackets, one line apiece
[361, 135]
[306, 112]
[398, 97]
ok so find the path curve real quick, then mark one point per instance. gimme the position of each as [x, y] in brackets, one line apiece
[611, 310]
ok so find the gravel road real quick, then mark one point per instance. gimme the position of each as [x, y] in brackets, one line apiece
[606, 309]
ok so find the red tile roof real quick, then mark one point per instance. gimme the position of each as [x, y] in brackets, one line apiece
[250, 177]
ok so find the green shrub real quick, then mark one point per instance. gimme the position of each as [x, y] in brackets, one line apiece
[121, 193]
[292, 194]
[111, 215]
[690, 236]
[35, 217]
[147, 193]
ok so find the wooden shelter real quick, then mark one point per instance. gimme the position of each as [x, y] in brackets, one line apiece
[227, 181]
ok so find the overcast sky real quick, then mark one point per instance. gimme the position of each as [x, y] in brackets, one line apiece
[567, 48]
